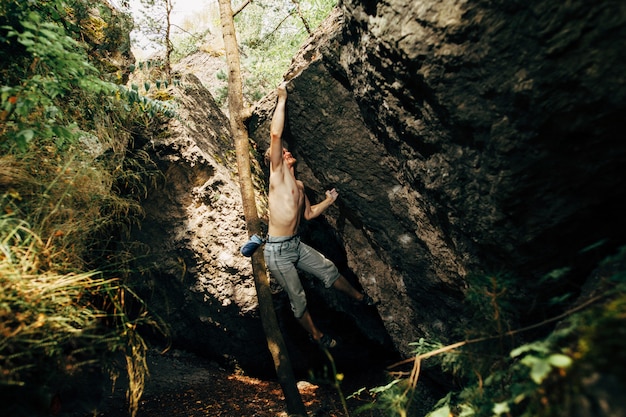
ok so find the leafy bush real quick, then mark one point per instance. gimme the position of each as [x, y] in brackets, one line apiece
[501, 374]
[70, 192]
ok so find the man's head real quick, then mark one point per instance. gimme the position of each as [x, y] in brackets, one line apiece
[287, 157]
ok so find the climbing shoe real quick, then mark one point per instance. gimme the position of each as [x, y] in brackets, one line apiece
[368, 301]
[326, 342]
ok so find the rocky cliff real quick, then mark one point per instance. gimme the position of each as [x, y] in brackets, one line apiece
[464, 137]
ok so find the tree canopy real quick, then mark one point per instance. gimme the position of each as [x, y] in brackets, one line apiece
[269, 32]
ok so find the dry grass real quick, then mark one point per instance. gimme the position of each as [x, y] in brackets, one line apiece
[56, 316]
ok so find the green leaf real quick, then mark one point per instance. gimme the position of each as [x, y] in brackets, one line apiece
[384, 388]
[440, 412]
[466, 411]
[540, 371]
[27, 42]
[501, 408]
[26, 135]
[555, 274]
[529, 347]
[593, 246]
[519, 398]
[559, 299]
[48, 33]
[444, 401]
[22, 139]
[559, 360]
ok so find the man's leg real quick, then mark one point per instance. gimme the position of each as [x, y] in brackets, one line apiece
[315, 263]
[343, 285]
[283, 271]
[306, 321]
[323, 340]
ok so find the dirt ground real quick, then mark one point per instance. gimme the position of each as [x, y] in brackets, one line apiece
[183, 385]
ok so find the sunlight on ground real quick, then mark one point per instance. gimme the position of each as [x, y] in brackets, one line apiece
[307, 390]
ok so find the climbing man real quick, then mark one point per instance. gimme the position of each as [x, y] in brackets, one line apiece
[284, 252]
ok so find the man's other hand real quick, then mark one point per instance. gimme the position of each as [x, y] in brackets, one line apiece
[332, 194]
[282, 90]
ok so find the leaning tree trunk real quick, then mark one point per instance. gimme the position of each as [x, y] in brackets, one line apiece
[275, 341]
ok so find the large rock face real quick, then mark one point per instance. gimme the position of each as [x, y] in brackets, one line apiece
[463, 136]
[203, 287]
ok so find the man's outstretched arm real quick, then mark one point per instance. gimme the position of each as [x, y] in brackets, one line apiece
[276, 128]
[311, 212]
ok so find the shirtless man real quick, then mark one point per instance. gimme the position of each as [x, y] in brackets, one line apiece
[283, 250]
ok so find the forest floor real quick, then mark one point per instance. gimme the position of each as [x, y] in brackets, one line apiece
[183, 385]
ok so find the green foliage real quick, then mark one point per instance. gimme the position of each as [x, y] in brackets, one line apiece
[150, 107]
[543, 377]
[392, 398]
[152, 100]
[493, 308]
[270, 35]
[70, 193]
[58, 68]
[541, 361]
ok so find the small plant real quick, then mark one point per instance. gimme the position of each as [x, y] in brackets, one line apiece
[538, 378]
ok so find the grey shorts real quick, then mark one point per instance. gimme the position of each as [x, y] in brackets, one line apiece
[283, 255]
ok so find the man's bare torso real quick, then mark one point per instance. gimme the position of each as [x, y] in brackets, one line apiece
[286, 201]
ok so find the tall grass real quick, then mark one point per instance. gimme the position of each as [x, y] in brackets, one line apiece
[43, 311]
[59, 211]
[53, 323]
[70, 193]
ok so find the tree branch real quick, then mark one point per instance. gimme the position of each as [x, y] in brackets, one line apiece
[304, 22]
[484, 339]
[241, 7]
